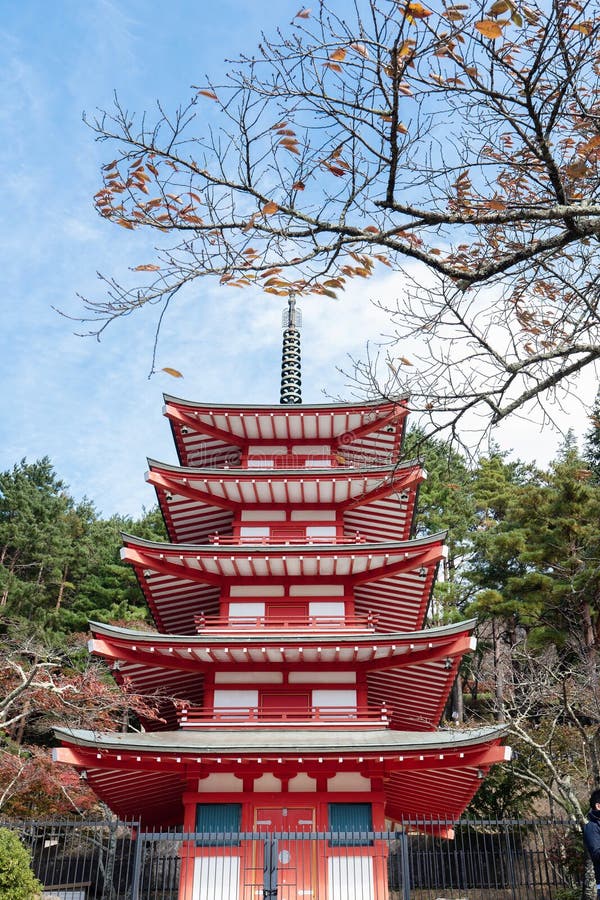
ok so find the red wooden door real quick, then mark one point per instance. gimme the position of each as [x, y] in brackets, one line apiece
[296, 858]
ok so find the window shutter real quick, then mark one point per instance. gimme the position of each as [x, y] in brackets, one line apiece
[215, 819]
[350, 819]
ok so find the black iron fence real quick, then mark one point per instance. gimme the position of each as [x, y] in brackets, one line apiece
[492, 859]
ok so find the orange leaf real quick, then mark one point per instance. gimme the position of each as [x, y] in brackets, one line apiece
[402, 128]
[338, 55]
[592, 144]
[417, 11]
[110, 165]
[149, 267]
[174, 372]
[583, 27]
[489, 29]
[405, 361]
[298, 186]
[269, 208]
[577, 169]
[290, 145]
[125, 223]
[333, 66]
[406, 48]
[303, 14]
[210, 94]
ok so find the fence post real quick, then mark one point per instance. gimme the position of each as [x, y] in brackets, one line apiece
[137, 867]
[509, 859]
[405, 865]
[270, 869]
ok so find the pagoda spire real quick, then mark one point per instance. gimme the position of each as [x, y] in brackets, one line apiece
[291, 376]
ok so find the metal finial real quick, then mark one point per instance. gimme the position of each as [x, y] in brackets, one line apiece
[291, 375]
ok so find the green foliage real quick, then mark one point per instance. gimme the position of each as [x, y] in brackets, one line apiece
[17, 881]
[504, 794]
[59, 562]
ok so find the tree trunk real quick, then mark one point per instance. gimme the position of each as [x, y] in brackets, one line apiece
[61, 589]
[588, 886]
[498, 676]
[6, 591]
[457, 701]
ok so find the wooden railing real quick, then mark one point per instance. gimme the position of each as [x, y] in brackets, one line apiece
[287, 536]
[295, 460]
[293, 623]
[343, 716]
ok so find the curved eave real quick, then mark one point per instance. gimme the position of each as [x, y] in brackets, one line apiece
[374, 652]
[188, 744]
[239, 488]
[355, 563]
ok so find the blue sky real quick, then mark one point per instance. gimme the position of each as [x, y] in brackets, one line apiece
[89, 405]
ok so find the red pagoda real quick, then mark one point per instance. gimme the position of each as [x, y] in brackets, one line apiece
[299, 688]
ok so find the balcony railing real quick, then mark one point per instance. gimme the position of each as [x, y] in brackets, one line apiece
[366, 622]
[288, 536]
[313, 716]
[295, 460]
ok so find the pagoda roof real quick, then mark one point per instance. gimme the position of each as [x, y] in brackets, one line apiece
[169, 575]
[250, 741]
[204, 431]
[200, 501]
[146, 774]
[200, 652]
[410, 674]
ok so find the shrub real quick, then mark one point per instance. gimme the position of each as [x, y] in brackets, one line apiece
[17, 881]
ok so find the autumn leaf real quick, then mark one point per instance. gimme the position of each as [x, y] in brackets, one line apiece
[405, 361]
[148, 267]
[303, 14]
[577, 169]
[592, 144]
[402, 128]
[207, 93]
[174, 372]
[583, 27]
[406, 47]
[417, 11]
[338, 55]
[298, 186]
[269, 208]
[125, 223]
[501, 6]
[333, 66]
[489, 29]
